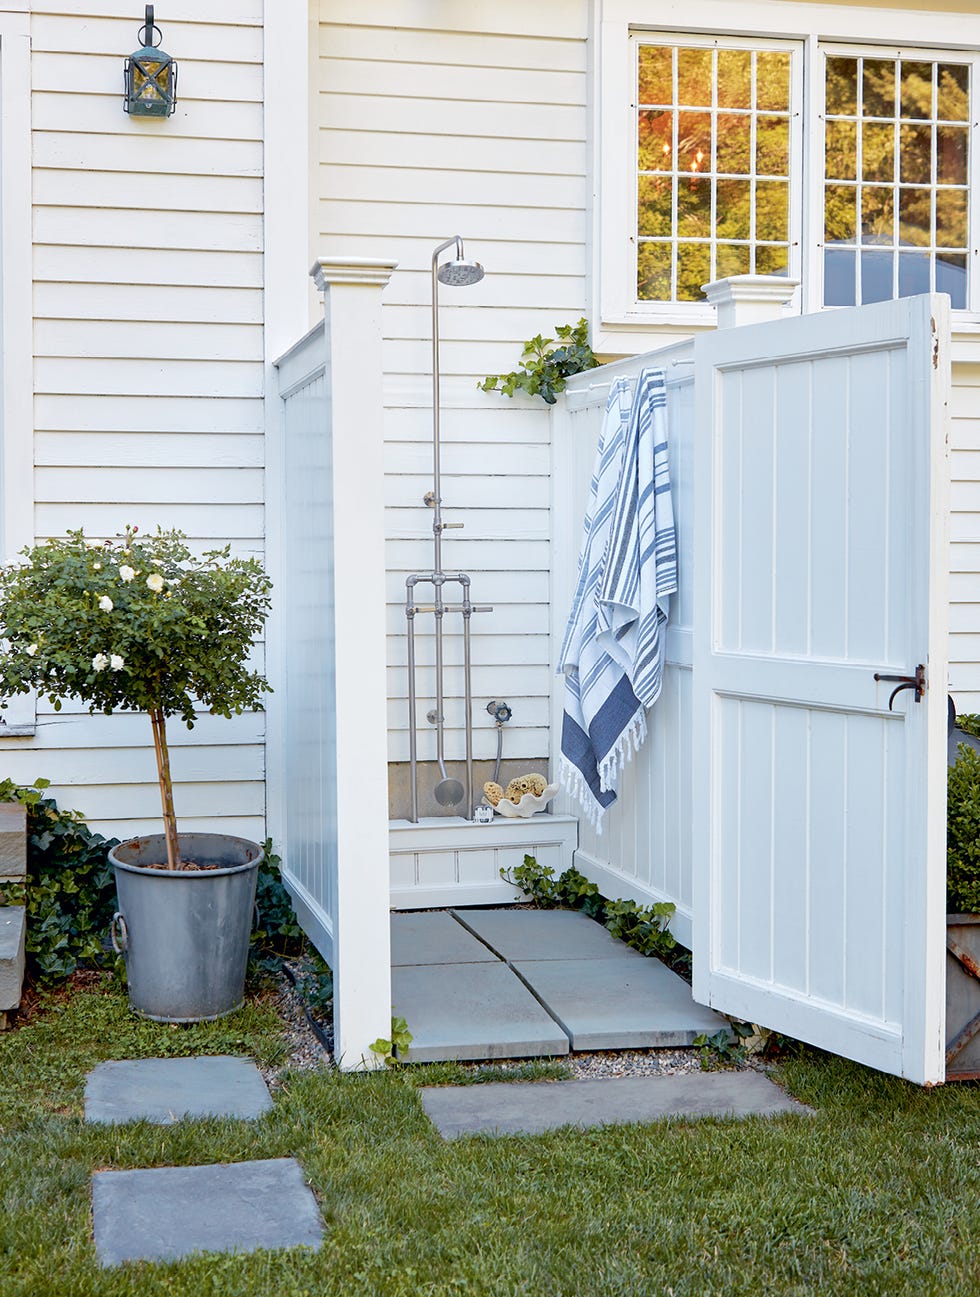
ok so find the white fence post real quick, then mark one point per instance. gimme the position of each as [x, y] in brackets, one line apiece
[750, 299]
[362, 957]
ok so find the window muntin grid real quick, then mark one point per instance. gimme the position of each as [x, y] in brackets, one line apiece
[715, 142]
[896, 211]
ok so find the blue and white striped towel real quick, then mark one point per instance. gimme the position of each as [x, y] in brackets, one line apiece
[613, 651]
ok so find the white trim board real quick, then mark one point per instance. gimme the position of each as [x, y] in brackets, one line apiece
[16, 318]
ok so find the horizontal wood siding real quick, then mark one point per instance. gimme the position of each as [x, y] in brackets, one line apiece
[964, 554]
[148, 371]
[435, 120]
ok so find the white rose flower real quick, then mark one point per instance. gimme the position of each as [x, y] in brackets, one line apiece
[116, 662]
[126, 573]
[100, 662]
[31, 650]
[93, 544]
[155, 582]
[97, 567]
[106, 604]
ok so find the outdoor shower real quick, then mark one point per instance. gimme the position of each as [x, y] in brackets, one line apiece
[448, 792]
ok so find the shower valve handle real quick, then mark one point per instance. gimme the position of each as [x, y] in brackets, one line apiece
[446, 525]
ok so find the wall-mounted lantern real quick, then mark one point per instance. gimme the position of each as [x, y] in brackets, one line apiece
[150, 75]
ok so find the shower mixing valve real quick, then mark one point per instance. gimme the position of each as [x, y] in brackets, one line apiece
[500, 712]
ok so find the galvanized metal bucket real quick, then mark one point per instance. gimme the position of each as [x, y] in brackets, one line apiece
[185, 933]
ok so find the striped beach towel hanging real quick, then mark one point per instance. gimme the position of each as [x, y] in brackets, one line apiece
[613, 651]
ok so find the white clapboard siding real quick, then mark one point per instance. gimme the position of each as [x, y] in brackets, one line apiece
[180, 303]
[964, 581]
[105, 227]
[66, 149]
[128, 376]
[205, 486]
[60, 71]
[158, 450]
[115, 189]
[148, 372]
[131, 266]
[432, 122]
[96, 114]
[346, 145]
[551, 294]
[481, 426]
[222, 415]
[132, 340]
[225, 38]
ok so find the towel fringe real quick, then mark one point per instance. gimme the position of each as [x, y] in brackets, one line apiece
[576, 785]
[630, 741]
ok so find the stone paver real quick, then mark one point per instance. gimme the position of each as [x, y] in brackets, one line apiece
[13, 934]
[619, 1003]
[434, 937]
[471, 1011]
[544, 934]
[173, 1211]
[529, 1108]
[165, 1090]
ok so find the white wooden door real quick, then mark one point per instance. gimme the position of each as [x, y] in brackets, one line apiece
[820, 561]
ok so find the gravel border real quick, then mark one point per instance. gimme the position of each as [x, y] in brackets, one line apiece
[305, 1052]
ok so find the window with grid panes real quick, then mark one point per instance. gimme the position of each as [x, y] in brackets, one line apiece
[714, 139]
[722, 176]
[896, 178]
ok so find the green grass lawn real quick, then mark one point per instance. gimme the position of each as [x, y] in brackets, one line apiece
[878, 1193]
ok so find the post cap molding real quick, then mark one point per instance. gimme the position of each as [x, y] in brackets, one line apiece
[369, 271]
[743, 299]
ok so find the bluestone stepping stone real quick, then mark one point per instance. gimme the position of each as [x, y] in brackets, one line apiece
[165, 1090]
[544, 934]
[173, 1211]
[529, 1108]
[434, 937]
[472, 1011]
[619, 1003]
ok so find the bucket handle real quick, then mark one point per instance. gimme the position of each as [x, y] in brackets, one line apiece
[119, 933]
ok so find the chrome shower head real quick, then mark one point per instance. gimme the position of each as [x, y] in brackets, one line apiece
[460, 273]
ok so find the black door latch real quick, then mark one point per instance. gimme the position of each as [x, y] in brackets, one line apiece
[916, 682]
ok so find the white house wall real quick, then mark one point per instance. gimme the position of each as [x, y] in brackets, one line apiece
[438, 119]
[148, 374]
[443, 119]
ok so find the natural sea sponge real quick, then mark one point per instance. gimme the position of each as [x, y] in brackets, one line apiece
[492, 792]
[533, 784]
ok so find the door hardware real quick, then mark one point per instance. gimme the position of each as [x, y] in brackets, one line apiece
[916, 682]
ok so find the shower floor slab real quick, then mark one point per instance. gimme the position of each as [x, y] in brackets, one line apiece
[518, 983]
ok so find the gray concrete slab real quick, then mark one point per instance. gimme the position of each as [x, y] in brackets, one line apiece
[529, 1108]
[174, 1211]
[13, 935]
[165, 1090]
[619, 1003]
[544, 934]
[434, 937]
[468, 1011]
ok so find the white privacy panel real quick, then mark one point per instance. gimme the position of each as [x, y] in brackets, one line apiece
[820, 553]
[644, 850]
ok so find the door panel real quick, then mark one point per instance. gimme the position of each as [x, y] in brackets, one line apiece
[820, 560]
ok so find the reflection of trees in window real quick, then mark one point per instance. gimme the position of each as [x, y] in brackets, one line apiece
[713, 156]
[896, 172]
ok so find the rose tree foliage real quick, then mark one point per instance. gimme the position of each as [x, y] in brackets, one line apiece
[135, 624]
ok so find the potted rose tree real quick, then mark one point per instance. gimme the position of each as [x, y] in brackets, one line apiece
[140, 624]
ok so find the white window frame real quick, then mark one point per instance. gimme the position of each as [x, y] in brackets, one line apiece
[16, 319]
[619, 251]
[928, 54]
[819, 27]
